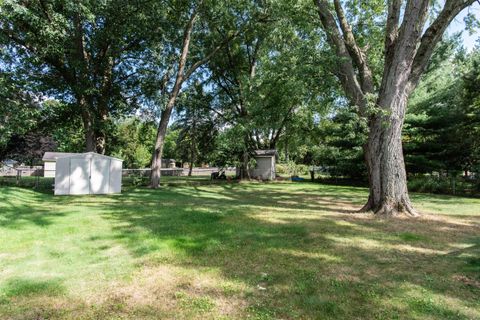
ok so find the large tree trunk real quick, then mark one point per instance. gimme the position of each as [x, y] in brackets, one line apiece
[384, 158]
[190, 170]
[101, 137]
[87, 120]
[89, 135]
[408, 48]
[387, 175]
[244, 169]
[103, 102]
[182, 75]
[192, 161]
[100, 142]
[156, 165]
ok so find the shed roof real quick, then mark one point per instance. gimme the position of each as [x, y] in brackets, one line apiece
[266, 153]
[53, 156]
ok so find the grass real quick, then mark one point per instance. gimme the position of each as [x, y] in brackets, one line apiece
[235, 251]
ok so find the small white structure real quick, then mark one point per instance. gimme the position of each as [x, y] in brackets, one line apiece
[87, 173]
[265, 168]
[50, 161]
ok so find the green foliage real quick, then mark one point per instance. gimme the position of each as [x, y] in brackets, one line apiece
[133, 142]
[229, 147]
[270, 86]
[267, 81]
[443, 121]
[18, 111]
[79, 53]
[340, 150]
[444, 185]
[196, 127]
[291, 169]
[170, 145]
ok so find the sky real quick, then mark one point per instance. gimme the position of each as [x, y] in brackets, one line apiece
[469, 41]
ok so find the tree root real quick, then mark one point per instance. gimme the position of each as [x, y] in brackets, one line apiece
[367, 207]
[388, 209]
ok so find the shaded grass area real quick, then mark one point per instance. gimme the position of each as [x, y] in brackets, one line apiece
[260, 251]
[46, 184]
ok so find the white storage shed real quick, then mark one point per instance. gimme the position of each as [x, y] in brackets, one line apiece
[88, 173]
[265, 168]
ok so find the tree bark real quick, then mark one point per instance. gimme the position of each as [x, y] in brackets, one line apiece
[87, 120]
[89, 135]
[181, 76]
[100, 134]
[100, 142]
[165, 117]
[192, 159]
[160, 140]
[190, 169]
[386, 167]
[244, 170]
[408, 48]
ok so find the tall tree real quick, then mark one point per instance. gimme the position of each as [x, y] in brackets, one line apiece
[83, 53]
[408, 45]
[19, 111]
[208, 26]
[469, 129]
[265, 78]
[435, 115]
[133, 141]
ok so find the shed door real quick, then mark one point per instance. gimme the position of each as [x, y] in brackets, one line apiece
[264, 167]
[100, 175]
[79, 176]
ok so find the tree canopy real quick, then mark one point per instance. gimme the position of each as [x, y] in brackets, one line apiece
[365, 90]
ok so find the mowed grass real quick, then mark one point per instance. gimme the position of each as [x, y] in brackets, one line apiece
[235, 251]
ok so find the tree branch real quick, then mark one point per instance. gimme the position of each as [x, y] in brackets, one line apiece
[274, 140]
[391, 30]
[358, 56]
[187, 35]
[398, 66]
[433, 35]
[54, 62]
[346, 72]
[207, 58]
[45, 10]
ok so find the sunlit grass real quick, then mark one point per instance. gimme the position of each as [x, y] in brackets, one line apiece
[260, 251]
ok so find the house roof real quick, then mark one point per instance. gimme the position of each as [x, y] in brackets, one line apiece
[53, 156]
[266, 153]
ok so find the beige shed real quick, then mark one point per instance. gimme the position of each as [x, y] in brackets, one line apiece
[50, 162]
[265, 167]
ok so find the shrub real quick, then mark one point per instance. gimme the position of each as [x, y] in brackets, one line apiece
[444, 185]
[292, 169]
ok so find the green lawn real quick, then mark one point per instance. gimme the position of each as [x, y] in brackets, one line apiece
[258, 251]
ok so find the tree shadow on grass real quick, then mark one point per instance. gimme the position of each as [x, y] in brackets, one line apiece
[310, 260]
[19, 207]
[295, 252]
